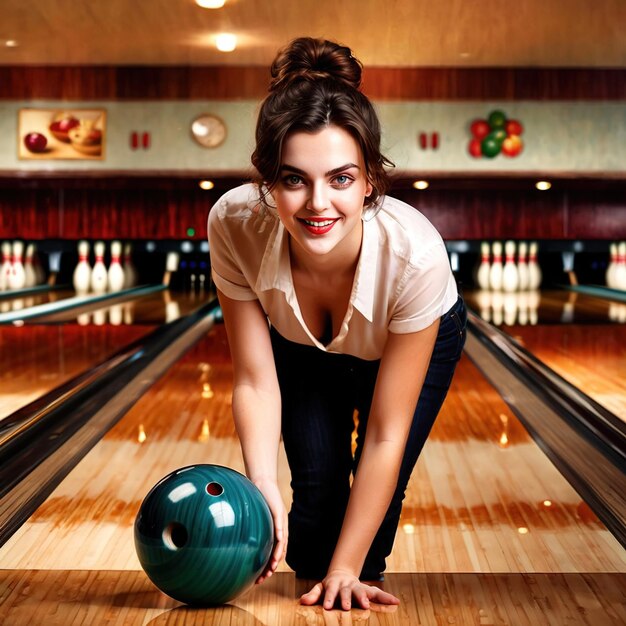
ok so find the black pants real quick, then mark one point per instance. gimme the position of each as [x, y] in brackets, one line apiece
[320, 392]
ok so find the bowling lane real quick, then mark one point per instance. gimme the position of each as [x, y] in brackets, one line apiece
[483, 498]
[152, 309]
[38, 356]
[17, 302]
[580, 337]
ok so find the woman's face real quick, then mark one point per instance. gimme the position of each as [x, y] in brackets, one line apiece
[321, 190]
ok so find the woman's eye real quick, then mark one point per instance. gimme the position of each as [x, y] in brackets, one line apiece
[293, 180]
[342, 180]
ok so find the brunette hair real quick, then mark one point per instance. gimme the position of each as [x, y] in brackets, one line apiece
[315, 83]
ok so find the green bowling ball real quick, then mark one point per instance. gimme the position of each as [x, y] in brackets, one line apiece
[203, 534]
[496, 119]
[490, 147]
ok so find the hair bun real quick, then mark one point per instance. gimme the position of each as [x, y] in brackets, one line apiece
[306, 58]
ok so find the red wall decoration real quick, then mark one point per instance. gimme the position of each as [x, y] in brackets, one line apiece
[495, 135]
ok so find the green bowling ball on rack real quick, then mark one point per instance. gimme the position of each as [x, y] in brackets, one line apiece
[203, 534]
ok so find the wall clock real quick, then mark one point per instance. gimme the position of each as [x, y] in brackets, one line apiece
[208, 130]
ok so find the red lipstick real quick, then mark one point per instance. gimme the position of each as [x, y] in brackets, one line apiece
[318, 225]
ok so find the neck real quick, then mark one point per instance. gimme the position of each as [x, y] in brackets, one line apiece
[341, 260]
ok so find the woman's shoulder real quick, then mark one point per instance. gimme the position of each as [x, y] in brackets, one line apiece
[406, 228]
[241, 201]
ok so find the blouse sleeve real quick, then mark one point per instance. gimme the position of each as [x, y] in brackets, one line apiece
[427, 290]
[226, 270]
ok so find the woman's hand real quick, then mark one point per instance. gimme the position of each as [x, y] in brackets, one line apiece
[342, 586]
[271, 493]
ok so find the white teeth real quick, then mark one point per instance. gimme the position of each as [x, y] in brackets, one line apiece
[319, 224]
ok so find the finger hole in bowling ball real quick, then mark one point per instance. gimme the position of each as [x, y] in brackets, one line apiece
[175, 536]
[214, 489]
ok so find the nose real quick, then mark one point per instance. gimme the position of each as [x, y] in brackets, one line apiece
[319, 200]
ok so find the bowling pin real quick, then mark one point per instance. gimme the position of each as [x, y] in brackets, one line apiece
[171, 266]
[116, 276]
[495, 271]
[619, 274]
[610, 270]
[482, 277]
[522, 266]
[82, 272]
[5, 269]
[99, 272]
[510, 278]
[29, 269]
[130, 273]
[17, 277]
[534, 271]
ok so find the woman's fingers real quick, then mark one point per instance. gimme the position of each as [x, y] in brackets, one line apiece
[313, 596]
[345, 594]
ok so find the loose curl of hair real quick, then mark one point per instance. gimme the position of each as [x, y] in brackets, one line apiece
[315, 84]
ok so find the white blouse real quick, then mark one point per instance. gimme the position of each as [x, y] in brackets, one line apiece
[403, 280]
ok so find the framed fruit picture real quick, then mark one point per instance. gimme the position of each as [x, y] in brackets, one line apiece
[61, 133]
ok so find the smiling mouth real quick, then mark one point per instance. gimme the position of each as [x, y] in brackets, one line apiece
[318, 226]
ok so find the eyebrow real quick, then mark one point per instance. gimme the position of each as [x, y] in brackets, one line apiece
[336, 170]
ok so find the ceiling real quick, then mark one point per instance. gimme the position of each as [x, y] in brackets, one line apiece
[397, 33]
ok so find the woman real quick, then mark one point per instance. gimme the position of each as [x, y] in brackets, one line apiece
[358, 293]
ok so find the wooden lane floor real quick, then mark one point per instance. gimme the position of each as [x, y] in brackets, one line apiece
[593, 358]
[37, 358]
[490, 531]
[580, 338]
[76, 597]
[48, 351]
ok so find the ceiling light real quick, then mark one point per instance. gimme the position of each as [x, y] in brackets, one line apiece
[206, 184]
[211, 4]
[10, 43]
[543, 185]
[420, 184]
[226, 42]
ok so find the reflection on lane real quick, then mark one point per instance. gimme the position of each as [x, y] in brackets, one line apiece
[544, 307]
[581, 337]
[10, 302]
[157, 308]
[38, 358]
[592, 358]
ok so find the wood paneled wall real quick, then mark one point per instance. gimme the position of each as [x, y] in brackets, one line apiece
[522, 213]
[107, 208]
[34, 207]
[165, 208]
[198, 83]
